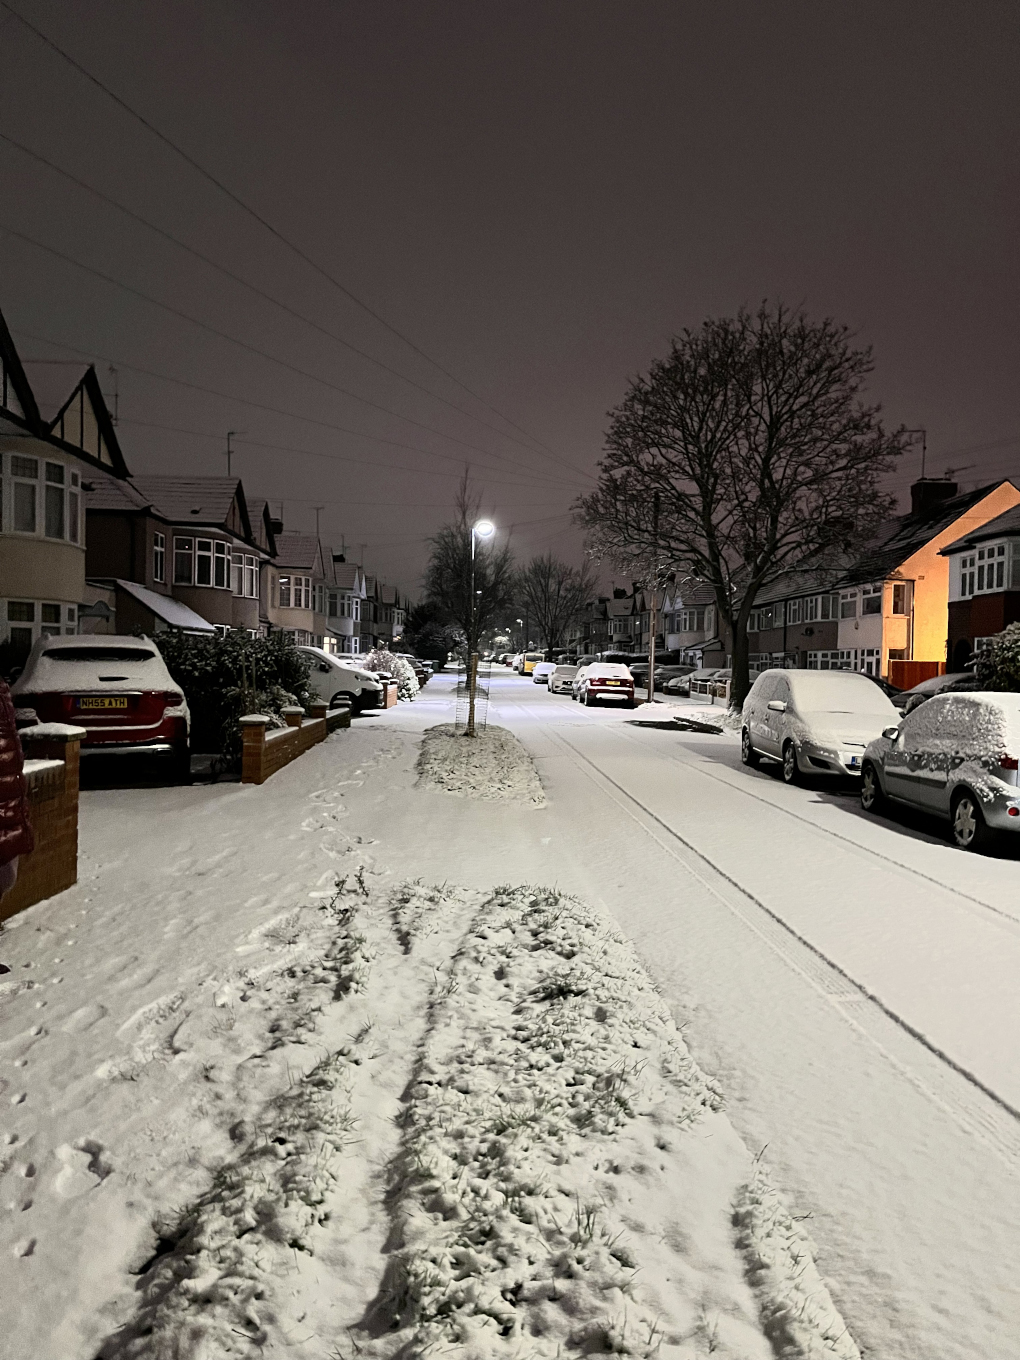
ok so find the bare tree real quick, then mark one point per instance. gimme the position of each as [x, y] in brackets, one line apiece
[554, 595]
[448, 576]
[744, 454]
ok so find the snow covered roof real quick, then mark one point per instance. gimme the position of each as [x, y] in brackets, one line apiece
[1000, 527]
[172, 612]
[190, 500]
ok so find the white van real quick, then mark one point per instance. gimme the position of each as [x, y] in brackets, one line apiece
[336, 678]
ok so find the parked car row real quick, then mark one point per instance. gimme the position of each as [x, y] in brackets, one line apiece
[120, 691]
[954, 754]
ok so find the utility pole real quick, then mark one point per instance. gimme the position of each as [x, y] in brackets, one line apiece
[116, 395]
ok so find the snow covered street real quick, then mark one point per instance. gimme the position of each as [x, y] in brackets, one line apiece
[188, 1015]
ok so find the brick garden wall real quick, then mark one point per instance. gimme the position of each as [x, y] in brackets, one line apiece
[53, 811]
[264, 753]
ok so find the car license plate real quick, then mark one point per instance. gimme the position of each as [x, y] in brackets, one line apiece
[613, 682]
[852, 761]
[100, 703]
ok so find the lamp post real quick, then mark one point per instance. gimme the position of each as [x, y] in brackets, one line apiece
[481, 529]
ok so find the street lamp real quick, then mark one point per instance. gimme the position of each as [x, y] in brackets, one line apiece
[481, 529]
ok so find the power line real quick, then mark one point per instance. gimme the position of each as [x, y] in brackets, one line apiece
[252, 349]
[264, 406]
[309, 453]
[258, 292]
[278, 235]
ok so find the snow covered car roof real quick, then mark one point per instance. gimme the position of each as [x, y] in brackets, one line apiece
[57, 665]
[837, 691]
[609, 668]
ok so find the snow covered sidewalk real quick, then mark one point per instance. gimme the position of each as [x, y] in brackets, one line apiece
[268, 1100]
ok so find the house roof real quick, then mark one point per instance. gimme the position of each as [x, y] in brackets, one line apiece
[388, 595]
[1002, 525]
[297, 550]
[347, 575]
[103, 492]
[171, 611]
[620, 609]
[907, 534]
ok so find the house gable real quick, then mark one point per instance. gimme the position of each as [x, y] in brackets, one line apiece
[16, 398]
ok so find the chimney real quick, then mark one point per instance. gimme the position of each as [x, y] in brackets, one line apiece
[276, 525]
[929, 492]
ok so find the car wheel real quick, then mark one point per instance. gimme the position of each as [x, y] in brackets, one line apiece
[747, 752]
[791, 774]
[970, 830]
[872, 797]
[589, 701]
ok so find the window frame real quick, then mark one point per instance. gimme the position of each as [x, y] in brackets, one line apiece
[182, 554]
[159, 557]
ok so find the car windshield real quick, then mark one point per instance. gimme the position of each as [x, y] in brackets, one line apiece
[566, 670]
[833, 692]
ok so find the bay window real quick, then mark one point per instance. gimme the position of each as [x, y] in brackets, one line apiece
[221, 566]
[184, 556]
[159, 557]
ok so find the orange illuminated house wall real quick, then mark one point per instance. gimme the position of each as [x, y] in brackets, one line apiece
[930, 574]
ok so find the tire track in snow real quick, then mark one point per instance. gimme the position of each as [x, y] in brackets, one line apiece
[998, 1127]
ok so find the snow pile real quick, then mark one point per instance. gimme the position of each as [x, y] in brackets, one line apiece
[490, 765]
[552, 1114]
[799, 1315]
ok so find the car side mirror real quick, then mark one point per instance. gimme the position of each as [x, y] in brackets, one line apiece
[777, 706]
[891, 733]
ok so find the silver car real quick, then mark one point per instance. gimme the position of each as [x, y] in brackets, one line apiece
[956, 757]
[814, 722]
[561, 680]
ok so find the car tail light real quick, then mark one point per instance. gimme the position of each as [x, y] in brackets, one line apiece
[172, 699]
[1013, 812]
[1009, 762]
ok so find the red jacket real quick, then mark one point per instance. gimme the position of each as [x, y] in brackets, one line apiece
[15, 829]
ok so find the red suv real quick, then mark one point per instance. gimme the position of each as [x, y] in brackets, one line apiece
[607, 682]
[117, 688]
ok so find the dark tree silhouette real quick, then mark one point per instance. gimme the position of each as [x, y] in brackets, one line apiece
[743, 454]
[448, 575]
[554, 595]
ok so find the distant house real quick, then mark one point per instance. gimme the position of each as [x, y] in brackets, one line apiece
[984, 585]
[296, 585]
[344, 603]
[889, 605]
[690, 624]
[55, 434]
[185, 538]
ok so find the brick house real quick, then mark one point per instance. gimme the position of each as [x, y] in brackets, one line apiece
[984, 585]
[690, 625]
[55, 434]
[345, 599]
[295, 585]
[189, 539]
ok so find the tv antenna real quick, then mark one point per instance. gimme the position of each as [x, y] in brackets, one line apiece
[924, 446]
[317, 509]
[232, 434]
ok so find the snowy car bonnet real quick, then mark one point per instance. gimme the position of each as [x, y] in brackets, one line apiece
[837, 706]
[57, 667]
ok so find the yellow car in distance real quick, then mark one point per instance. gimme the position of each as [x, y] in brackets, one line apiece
[529, 661]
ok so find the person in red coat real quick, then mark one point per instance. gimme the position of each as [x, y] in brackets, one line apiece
[15, 829]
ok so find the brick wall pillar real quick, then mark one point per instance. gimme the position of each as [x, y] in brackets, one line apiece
[253, 748]
[53, 811]
[292, 714]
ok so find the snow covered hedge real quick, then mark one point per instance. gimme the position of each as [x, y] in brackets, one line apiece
[999, 667]
[379, 660]
[225, 678]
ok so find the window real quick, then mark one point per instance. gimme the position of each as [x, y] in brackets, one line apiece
[848, 605]
[355, 644]
[356, 609]
[25, 472]
[203, 562]
[871, 600]
[20, 611]
[251, 576]
[159, 557]
[284, 592]
[795, 611]
[984, 570]
[899, 598]
[184, 553]
[832, 661]
[221, 566]
[320, 599]
[870, 660]
[54, 500]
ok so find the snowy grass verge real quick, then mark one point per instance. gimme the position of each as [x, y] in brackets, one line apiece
[798, 1313]
[492, 765]
[207, 1288]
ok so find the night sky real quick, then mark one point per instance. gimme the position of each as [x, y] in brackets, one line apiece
[537, 195]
